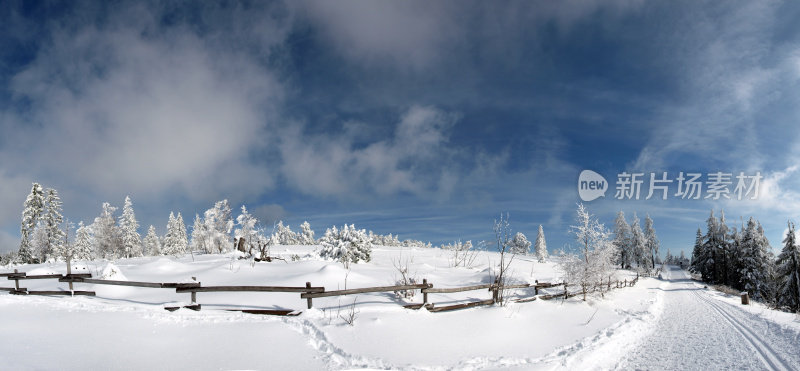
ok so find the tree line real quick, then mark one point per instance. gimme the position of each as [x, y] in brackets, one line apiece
[742, 258]
[47, 236]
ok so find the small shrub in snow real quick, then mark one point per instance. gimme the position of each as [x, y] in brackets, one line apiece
[346, 245]
[405, 278]
[461, 254]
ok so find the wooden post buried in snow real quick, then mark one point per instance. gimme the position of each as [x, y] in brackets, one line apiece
[194, 293]
[16, 281]
[745, 298]
[424, 293]
[308, 300]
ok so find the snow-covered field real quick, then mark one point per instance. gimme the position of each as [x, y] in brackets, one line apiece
[127, 327]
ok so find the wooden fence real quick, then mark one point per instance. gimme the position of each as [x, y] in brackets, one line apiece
[310, 292]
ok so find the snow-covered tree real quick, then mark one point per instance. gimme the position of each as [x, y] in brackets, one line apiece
[595, 261]
[40, 241]
[520, 244]
[218, 226]
[622, 241]
[651, 240]
[754, 267]
[246, 233]
[641, 252]
[346, 245]
[152, 244]
[540, 247]
[698, 254]
[129, 234]
[31, 213]
[284, 235]
[83, 243]
[306, 235]
[175, 241]
[53, 221]
[788, 272]
[106, 233]
[199, 235]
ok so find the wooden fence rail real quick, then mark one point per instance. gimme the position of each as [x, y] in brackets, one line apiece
[308, 292]
[364, 290]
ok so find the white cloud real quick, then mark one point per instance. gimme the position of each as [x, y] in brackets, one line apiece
[332, 165]
[115, 108]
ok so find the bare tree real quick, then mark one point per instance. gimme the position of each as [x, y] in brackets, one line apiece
[503, 238]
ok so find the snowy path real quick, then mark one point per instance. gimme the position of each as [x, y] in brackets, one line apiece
[698, 331]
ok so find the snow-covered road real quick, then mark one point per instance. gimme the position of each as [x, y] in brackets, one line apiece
[696, 330]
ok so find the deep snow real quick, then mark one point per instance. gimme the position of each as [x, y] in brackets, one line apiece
[127, 327]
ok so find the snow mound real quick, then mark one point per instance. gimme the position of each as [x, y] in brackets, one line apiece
[112, 272]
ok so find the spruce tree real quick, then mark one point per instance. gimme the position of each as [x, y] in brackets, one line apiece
[152, 245]
[171, 238]
[53, 220]
[540, 247]
[697, 254]
[83, 243]
[788, 272]
[182, 238]
[31, 213]
[106, 233]
[641, 252]
[622, 241]
[199, 235]
[129, 234]
[651, 240]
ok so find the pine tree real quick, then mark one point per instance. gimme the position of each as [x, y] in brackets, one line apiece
[306, 236]
[622, 241]
[53, 220]
[106, 233]
[128, 227]
[520, 244]
[31, 213]
[651, 240]
[788, 272]
[152, 244]
[83, 243]
[541, 246]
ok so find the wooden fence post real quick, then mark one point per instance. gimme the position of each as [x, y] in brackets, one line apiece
[308, 300]
[424, 294]
[194, 293]
[566, 294]
[536, 287]
[16, 280]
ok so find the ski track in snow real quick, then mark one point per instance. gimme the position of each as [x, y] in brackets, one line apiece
[698, 331]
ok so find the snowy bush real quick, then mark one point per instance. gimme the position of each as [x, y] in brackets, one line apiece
[461, 254]
[520, 244]
[347, 245]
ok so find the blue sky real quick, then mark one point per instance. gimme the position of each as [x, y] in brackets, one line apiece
[415, 118]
